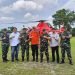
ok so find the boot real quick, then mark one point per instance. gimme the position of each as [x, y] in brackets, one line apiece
[70, 62]
[37, 59]
[41, 59]
[22, 58]
[4, 60]
[27, 58]
[62, 62]
[47, 59]
[33, 58]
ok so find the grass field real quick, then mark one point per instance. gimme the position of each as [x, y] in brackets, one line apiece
[33, 68]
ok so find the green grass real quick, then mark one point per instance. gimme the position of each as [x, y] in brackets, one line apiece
[33, 68]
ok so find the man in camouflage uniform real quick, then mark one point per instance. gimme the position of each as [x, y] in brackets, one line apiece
[44, 46]
[24, 39]
[5, 45]
[65, 46]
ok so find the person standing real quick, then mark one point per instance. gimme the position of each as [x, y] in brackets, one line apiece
[34, 37]
[66, 46]
[14, 43]
[5, 45]
[24, 41]
[54, 44]
[44, 46]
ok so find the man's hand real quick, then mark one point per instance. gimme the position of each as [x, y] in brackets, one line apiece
[46, 37]
[12, 37]
[4, 38]
[63, 37]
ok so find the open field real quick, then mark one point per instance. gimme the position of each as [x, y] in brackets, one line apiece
[33, 68]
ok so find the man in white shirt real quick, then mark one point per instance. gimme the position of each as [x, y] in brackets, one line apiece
[54, 44]
[14, 43]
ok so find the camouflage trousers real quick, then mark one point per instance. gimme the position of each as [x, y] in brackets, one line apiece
[25, 49]
[44, 48]
[5, 48]
[67, 50]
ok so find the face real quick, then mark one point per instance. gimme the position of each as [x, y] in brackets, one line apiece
[15, 30]
[53, 31]
[65, 29]
[24, 31]
[34, 28]
[44, 32]
[4, 32]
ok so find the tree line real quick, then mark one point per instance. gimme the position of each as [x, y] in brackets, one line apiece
[64, 17]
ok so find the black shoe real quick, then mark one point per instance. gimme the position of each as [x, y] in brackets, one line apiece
[70, 62]
[17, 59]
[4, 61]
[53, 60]
[33, 60]
[57, 61]
[62, 62]
[22, 60]
[37, 60]
[12, 60]
[47, 61]
[41, 61]
[7, 60]
[27, 59]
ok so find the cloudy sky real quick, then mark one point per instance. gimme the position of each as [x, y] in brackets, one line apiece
[30, 10]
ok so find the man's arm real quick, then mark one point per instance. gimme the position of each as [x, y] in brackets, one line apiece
[11, 36]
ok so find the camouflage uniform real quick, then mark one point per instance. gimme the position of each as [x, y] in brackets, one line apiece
[65, 46]
[25, 45]
[44, 47]
[5, 46]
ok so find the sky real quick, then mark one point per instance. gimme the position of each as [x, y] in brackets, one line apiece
[30, 10]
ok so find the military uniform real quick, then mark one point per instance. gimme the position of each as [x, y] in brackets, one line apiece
[25, 45]
[44, 47]
[66, 46]
[5, 46]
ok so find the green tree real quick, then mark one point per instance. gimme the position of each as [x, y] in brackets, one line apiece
[10, 29]
[65, 17]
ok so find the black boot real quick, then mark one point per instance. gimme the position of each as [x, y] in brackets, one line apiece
[37, 59]
[27, 58]
[62, 62]
[22, 58]
[70, 62]
[41, 58]
[4, 60]
[33, 58]
[47, 59]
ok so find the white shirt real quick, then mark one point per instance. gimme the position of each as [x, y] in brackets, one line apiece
[15, 40]
[54, 39]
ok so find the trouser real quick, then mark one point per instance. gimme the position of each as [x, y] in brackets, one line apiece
[25, 48]
[14, 52]
[5, 48]
[55, 50]
[34, 51]
[68, 51]
[42, 50]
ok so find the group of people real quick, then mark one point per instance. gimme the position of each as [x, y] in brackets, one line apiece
[38, 42]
